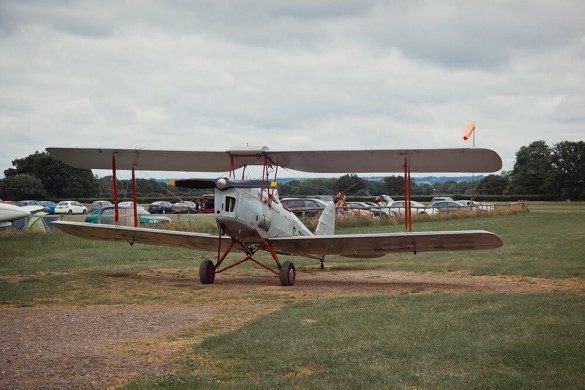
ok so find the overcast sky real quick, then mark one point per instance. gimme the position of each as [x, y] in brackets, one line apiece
[291, 75]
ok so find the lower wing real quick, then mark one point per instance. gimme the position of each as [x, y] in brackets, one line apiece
[376, 245]
[132, 235]
[348, 245]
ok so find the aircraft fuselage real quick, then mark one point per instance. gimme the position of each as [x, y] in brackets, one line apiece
[245, 213]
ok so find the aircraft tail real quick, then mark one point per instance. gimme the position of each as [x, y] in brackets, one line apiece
[326, 224]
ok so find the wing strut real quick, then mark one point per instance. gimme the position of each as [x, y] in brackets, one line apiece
[134, 198]
[115, 189]
[407, 197]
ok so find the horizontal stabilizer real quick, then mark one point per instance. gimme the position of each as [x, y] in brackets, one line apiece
[223, 183]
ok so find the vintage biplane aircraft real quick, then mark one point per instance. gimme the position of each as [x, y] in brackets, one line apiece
[250, 216]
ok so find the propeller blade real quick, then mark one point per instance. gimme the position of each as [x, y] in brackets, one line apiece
[194, 183]
[222, 183]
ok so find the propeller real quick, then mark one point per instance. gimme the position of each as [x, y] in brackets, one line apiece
[222, 183]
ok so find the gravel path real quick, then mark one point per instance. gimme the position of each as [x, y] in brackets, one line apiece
[49, 348]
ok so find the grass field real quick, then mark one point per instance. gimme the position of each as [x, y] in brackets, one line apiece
[414, 338]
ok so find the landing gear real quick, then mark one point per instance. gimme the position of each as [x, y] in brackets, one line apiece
[207, 272]
[287, 273]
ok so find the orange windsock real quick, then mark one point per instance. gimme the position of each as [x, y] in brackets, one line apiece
[468, 131]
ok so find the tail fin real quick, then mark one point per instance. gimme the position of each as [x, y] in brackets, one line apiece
[326, 224]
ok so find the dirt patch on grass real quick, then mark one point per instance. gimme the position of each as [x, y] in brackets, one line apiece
[104, 346]
[75, 348]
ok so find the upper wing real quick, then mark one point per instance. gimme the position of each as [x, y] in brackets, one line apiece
[375, 245]
[141, 235]
[320, 161]
[370, 161]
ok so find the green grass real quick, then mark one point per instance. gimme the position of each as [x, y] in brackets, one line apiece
[413, 341]
[538, 243]
[467, 340]
[54, 268]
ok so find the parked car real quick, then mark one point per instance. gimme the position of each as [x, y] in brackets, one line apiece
[441, 199]
[125, 204]
[33, 206]
[325, 198]
[49, 204]
[160, 207]
[304, 207]
[185, 207]
[416, 208]
[374, 209]
[449, 206]
[473, 205]
[70, 207]
[100, 204]
[106, 215]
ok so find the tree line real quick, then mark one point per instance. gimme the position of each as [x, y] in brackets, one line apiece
[557, 172]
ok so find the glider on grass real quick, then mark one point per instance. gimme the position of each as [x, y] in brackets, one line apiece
[251, 217]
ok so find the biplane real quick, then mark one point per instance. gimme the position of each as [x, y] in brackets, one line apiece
[251, 217]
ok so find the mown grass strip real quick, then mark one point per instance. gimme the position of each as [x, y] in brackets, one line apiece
[413, 341]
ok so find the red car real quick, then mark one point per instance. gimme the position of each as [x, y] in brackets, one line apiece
[208, 206]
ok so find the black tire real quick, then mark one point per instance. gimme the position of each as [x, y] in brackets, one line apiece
[288, 273]
[84, 212]
[70, 212]
[422, 213]
[207, 272]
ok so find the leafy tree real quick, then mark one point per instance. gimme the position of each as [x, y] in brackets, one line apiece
[58, 179]
[493, 185]
[376, 187]
[448, 187]
[317, 186]
[21, 186]
[533, 172]
[394, 185]
[568, 162]
[351, 184]
[422, 189]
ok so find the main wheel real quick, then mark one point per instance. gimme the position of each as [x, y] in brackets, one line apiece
[207, 272]
[287, 273]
